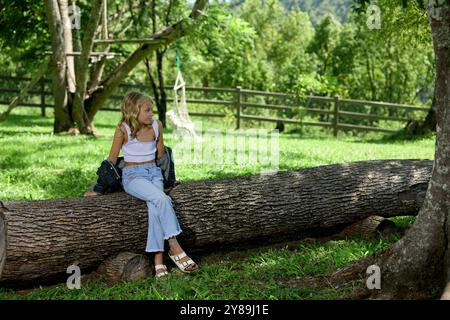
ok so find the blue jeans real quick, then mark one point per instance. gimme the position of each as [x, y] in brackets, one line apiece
[145, 181]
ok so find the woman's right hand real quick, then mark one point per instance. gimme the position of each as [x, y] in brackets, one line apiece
[91, 193]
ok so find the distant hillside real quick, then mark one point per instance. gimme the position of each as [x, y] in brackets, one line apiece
[317, 8]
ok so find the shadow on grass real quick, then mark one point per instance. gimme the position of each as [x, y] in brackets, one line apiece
[67, 183]
[20, 120]
[15, 160]
[398, 136]
[8, 133]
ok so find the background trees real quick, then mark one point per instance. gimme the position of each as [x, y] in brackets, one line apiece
[302, 47]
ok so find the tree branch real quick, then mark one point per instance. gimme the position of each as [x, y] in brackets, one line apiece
[24, 91]
[68, 46]
[81, 75]
[169, 34]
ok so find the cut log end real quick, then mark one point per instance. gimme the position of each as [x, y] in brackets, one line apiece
[125, 266]
[446, 293]
[369, 228]
[2, 242]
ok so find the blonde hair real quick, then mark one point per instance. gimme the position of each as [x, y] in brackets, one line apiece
[132, 103]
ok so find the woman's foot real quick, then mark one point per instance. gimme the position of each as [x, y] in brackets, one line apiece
[160, 267]
[177, 254]
[160, 270]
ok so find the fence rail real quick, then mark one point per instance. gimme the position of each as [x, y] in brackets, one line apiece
[239, 105]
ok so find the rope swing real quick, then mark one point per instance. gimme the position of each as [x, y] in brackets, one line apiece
[179, 116]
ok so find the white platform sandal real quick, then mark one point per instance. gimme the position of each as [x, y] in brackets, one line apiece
[160, 267]
[185, 264]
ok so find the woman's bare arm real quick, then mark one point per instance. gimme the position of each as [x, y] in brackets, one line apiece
[118, 140]
[160, 144]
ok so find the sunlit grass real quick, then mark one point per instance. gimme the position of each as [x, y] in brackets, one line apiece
[35, 164]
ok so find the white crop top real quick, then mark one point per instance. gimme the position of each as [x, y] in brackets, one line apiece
[138, 151]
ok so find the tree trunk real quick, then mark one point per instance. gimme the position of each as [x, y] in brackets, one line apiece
[158, 89]
[418, 265]
[68, 47]
[163, 102]
[148, 67]
[368, 228]
[78, 112]
[429, 125]
[45, 237]
[63, 120]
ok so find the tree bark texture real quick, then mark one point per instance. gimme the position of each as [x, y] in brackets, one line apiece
[78, 110]
[45, 237]
[63, 120]
[418, 265]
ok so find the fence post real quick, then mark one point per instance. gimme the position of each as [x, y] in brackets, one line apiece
[42, 88]
[238, 106]
[336, 116]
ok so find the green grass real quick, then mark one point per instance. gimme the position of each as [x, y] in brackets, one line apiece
[295, 271]
[35, 164]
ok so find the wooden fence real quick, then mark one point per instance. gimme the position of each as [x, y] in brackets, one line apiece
[239, 103]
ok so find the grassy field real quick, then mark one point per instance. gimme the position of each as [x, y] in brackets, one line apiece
[35, 164]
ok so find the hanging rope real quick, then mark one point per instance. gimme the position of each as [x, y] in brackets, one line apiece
[179, 115]
[177, 55]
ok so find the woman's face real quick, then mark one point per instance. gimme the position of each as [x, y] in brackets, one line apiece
[145, 113]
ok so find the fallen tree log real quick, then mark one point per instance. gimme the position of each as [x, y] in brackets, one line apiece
[41, 238]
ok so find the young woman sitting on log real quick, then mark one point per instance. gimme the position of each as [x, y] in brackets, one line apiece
[140, 137]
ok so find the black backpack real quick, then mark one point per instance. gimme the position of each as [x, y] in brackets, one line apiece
[167, 168]
[110, 175]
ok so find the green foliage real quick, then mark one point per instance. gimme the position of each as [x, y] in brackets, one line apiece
[325, 41]
[24, 33]
[266, 45]
[220, 52]
[386, 64]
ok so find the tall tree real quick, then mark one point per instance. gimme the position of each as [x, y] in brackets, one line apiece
[324, 41]
[418, 265]
[80, 107]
